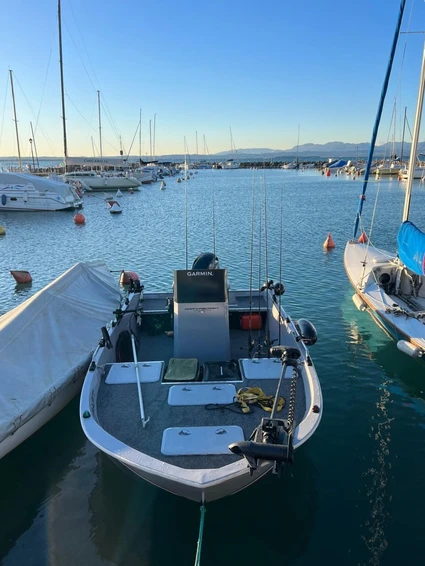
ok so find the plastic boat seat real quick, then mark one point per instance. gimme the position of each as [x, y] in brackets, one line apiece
[182, 369]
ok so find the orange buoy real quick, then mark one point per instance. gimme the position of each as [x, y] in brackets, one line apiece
[329, 243]
[21, 276]
[363, 238]
[79, 218]
[126, 276]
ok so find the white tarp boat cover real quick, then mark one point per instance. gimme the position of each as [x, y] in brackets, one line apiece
[50, 337]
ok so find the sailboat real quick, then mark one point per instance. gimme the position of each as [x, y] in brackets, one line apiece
[390, 286]
[170, 390]
[231, 163]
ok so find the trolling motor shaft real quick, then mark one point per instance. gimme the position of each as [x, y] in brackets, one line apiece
[272, 439]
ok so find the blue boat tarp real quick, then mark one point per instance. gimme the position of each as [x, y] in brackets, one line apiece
[411, 247]
[337, 164]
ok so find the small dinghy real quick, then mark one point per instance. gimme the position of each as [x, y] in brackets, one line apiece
[114, 207]
[118, 194]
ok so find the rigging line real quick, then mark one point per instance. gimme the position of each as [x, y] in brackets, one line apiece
[43, 91]
[4, 109]
[85, 120]
[81, 59]
[252, 264]
[88, 135]
[109, 116]
[84, 45]
[134, 137]
[185, 201]
[280, 261]
[266, 259]
[259, 274]
[46, 137]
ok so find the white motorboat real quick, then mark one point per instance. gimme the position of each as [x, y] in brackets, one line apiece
[143, 175]
[230, 164]
[23, 191]
[93, 181]
[45, 347]
[169, 391]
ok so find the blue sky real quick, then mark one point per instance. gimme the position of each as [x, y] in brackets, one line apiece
[261, 68]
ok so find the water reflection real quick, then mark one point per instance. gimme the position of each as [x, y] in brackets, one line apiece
[134, 523]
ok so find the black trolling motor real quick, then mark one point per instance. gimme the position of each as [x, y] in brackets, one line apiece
[272, 439]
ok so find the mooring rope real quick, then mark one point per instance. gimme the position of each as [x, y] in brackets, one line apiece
[201, 533]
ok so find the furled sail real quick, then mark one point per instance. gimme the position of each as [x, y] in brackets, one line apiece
[411, 247]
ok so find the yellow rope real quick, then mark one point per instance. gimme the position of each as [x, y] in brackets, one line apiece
[249, 395]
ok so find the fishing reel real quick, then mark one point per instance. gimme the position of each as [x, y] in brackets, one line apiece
[277, 288]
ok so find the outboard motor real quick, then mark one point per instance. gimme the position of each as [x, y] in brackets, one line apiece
[206, 260]
[308, 334]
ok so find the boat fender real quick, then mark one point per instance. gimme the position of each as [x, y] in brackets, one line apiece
[307, 332]
[410, 349]
[3, 199]
[361, 305]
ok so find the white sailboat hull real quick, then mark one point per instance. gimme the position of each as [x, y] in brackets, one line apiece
[365, 267]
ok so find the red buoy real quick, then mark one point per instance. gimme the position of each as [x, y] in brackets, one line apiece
[329, 243]
[328, 173]
[126, 276]
[79, 218]
[21, 276]
[363, 238]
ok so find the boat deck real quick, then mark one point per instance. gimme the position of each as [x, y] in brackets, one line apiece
[213, 384]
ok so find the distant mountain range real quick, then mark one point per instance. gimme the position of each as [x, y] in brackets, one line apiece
[307, 151]
[331, 149]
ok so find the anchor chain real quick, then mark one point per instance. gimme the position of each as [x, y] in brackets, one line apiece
[292, 398]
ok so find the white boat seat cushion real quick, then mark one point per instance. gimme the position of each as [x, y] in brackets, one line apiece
[199, 440]
[182, 369]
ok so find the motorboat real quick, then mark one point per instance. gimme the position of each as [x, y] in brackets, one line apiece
[24, 191]
[46, 344]
[103, 181]
[202, 389]
[230, 164]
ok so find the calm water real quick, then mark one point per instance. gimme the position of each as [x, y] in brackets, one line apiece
[355, 494]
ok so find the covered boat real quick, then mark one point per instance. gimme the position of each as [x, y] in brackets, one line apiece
[45, 347]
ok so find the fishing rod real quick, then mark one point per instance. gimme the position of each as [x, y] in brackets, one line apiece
[250, 340]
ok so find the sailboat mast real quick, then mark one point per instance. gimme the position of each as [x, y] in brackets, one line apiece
[402, 137]
[150, 138]
[16, 121]
[140, 136]
[378, 118]
[100, 124]
[65, 143]
[35, 145]
[154, 133]
[298, 141]
[415, 137]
